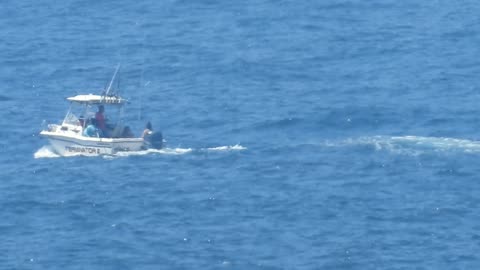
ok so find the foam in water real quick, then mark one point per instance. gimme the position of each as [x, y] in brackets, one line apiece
[414, 145]
[164, 151]
[226, 148]
[181, 151]
[45, 152]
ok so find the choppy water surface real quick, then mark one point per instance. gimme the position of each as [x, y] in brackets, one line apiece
[300, 135]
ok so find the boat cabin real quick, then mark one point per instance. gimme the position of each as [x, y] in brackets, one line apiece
[84, 107]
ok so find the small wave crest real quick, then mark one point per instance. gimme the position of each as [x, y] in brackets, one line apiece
[5, 98]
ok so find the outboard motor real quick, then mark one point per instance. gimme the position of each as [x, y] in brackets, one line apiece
[154, 140]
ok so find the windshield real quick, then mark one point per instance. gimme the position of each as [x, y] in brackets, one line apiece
[79, 113]
[74, 114]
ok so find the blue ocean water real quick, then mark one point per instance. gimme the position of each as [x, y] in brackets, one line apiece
[300, 135]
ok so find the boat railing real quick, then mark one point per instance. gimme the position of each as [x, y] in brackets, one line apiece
[52, 127]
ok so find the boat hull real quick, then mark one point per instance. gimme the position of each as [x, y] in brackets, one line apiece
[66, 145]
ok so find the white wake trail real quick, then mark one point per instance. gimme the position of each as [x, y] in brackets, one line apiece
[47, 151]
[414, 145]
[236, 147]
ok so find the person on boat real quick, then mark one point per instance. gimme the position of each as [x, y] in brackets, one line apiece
[148, 130]
[91, 130]
[100, 119]
[127, 133]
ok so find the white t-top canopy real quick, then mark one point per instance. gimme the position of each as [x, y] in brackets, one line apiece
[97, 99]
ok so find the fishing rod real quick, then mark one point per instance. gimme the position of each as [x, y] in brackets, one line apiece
[113, 78]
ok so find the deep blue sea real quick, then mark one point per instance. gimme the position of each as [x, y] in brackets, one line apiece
[334, 134]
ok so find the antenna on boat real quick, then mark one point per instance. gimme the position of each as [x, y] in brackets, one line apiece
[113, 78]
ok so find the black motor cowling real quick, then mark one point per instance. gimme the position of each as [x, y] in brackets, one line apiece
[154, 140]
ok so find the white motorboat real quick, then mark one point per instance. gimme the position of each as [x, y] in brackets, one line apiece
[70, 138]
